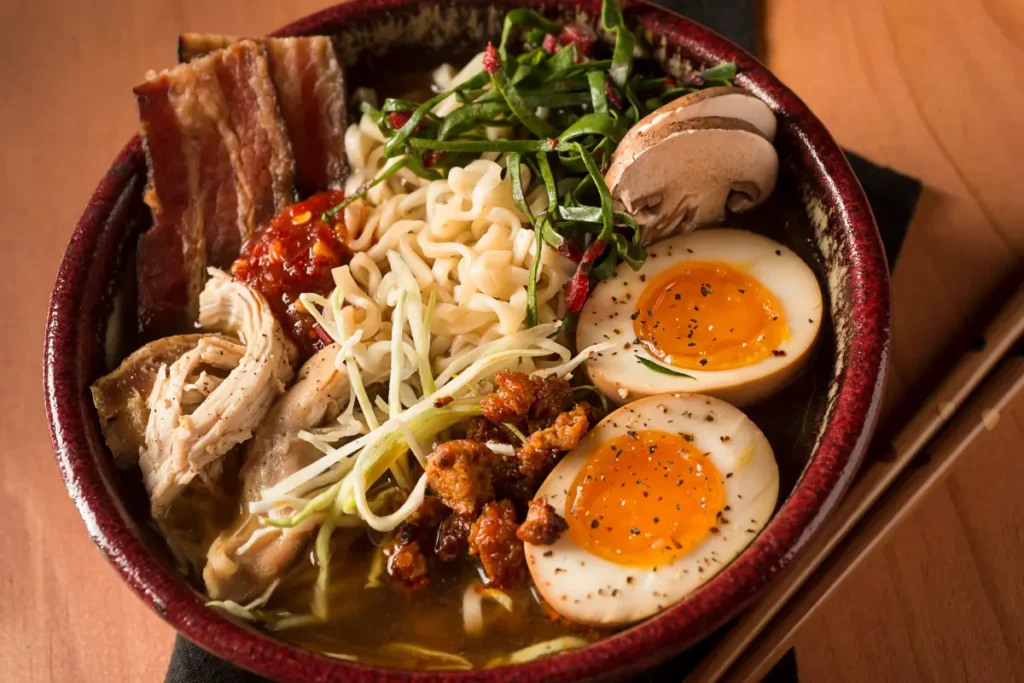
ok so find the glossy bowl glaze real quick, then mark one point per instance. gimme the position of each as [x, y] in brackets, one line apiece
[835, 222]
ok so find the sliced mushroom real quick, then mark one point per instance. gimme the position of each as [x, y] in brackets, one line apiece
[732, 103]
[676, 175]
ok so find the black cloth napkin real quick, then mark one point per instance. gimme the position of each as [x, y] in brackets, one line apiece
[893, 197]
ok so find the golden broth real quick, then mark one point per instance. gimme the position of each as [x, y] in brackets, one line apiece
[366, 622]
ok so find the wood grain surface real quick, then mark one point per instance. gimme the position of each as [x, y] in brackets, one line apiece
[930, 87]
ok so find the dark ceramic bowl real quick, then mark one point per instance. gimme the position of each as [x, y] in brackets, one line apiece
[823, 208]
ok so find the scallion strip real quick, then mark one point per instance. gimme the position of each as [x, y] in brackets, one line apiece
[582, 67]
[622, 57]
[631, 253]
[607, 214]
[592, 214]
[552, 190]
[470, 116]
[531, 286]
[521, 110]
[563, 58]
[549, 182]
[366, 187]
[394, 144]
[601, 125]
[611, 15]
[598, 92]
[527, 17]
[514, 162]
[721, 72]
[479, 146]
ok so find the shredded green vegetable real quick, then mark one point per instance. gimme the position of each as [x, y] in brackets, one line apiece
[657, 367]
[545, 649]
[555, 98]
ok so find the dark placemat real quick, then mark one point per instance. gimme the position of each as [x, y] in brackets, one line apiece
[893, 197]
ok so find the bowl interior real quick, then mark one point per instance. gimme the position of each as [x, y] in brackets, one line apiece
[818, 437]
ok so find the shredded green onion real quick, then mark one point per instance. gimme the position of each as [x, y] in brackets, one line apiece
[432, 659]
[545, 649]
[520, 109]
[524, 17]
[515, 430]
[245, 611]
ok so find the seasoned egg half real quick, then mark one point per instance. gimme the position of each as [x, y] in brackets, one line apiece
[659, 497]
[722, 312]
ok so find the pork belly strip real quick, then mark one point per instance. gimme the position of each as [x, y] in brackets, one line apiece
[310, 87]
[219, 164]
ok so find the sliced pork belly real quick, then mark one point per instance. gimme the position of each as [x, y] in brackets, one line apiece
[244, 560]
[310, 87]
[219, 164]
[182, 444]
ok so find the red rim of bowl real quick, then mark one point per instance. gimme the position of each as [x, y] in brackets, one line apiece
[71, 344]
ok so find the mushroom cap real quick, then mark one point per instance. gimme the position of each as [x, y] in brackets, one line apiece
[681, 174]
[728, 102]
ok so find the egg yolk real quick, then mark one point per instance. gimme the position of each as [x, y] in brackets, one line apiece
[644, 499]
[708, 316]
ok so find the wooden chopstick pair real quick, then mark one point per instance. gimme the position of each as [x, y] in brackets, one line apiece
[743, 654]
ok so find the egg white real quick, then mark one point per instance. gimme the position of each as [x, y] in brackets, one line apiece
[606, 318]
[588, 589]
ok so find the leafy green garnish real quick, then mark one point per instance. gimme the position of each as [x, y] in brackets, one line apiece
[559, 93]
[722, 72]
[657, 367]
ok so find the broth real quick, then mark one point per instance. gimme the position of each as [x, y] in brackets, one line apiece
[362, 622]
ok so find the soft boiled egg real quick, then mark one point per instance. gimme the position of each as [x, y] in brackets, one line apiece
[659, 497]
[722, 312]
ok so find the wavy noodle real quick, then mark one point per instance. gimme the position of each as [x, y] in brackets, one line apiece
[465, 242]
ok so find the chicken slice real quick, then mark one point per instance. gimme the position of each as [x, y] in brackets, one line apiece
[243, 561]
[181, 445]
[122, 397]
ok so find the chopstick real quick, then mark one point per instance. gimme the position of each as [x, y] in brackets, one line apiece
[875, 478]
[979, 416]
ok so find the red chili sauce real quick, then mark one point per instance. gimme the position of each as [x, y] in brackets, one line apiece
[293, 254]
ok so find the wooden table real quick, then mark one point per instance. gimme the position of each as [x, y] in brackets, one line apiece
[930, 87]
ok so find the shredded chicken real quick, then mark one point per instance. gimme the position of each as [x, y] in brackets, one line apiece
[178, 446]
[122, 397]
[243, 563]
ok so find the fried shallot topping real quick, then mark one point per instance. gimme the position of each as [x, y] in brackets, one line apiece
[543, 525]
[513, 395]
[493, 540]
[458, 473]
[407, 561]
[543, 448]
[453, 537]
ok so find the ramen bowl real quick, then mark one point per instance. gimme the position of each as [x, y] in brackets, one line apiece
[823, 214]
